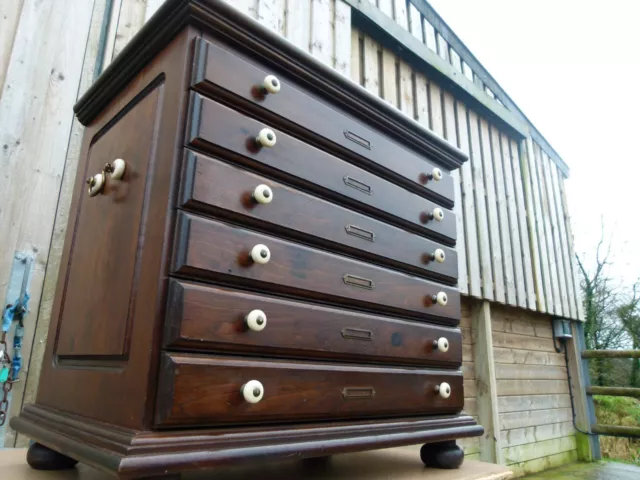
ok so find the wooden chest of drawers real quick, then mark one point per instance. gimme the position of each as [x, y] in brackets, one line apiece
[260, 264]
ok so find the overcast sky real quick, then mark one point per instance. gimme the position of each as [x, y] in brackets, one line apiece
[573, 67]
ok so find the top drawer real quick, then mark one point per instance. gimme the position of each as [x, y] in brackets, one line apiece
[220, 72]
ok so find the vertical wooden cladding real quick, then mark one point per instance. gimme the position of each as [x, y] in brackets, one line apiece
[513, 231]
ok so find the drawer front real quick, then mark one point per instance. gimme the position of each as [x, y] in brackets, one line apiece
[214, 127]
[312, 117]
[222, 252]
[213, 186]
[208, 390]
[215, 318]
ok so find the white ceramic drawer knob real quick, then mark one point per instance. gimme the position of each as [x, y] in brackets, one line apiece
[440, 299]
[436, 174]
[266, 138]
[95, 184]
[444, 390]
[439, 255]
[442, 345]
[263, 194]
[256, 320]
[438, 214]
[271, 84]
[260, 254]
[252, 391]
[116, 169]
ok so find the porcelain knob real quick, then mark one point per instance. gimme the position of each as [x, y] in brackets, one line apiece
[263, 194]
[271, 84]
[252, 391]
[442, 345]
[256, 320]
[266, 138]
[260, 254]
[444, 390]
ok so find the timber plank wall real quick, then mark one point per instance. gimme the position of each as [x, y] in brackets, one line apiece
[515, 244]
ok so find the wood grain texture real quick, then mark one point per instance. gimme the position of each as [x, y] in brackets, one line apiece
[476, 160]
[547, 257]
[221, 251]
[566, 245]
[215, 127]
[544, 448]
[531, 387]
[207, 391]
[341, 35]
[491, 199]
[544, 463]
[40, 328]
[9, 21]
[306, 115]
[99, 392]
[513, 270]
[108, 226]
[537, 433]
[573, 263]
[389, 68]
[487, 392]
[536, 228]
[521, 215]
[220, 189]
[468, 206]
[372, 66]
[176, 451]
[298, 21]
[41, 58]
[525, 403]
[452, 135]
[212, 319]
[555, 261]
[534, 417]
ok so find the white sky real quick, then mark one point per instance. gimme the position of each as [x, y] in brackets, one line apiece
[573, 67]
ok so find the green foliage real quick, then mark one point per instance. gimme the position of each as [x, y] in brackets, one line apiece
[618, 411]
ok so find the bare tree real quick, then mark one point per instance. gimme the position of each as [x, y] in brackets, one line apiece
[629, 314]
[603, 328]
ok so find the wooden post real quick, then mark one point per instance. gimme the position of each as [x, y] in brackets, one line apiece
[588, 445]
[487, 395]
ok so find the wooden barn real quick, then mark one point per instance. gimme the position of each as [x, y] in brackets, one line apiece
[516, 266]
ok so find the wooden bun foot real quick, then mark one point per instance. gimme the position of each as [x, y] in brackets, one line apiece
[442, 455]
[40, 457]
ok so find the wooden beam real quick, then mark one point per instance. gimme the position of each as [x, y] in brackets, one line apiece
[611, 354]
[487, 394]
[614, 391]
[588, 445]
[616, 430]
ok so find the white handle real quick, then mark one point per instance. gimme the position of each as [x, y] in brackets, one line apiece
[442, 344]
[439, 255]
[441, 298]
[95, 184]
[117, 169]
[444, 390]
[271, 84]
[260, 254]
[263, 194]
[438, 214]
[256, 320]
[266, 138]
[252, 391]
[436, 174]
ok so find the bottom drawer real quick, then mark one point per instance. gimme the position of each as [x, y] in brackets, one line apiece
[211, 390]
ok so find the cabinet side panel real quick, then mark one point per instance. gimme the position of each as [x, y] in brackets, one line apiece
[97, 305]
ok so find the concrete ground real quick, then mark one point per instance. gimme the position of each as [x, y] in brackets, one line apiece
[590, 471]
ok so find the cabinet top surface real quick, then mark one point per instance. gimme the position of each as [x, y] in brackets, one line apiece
[223, 22]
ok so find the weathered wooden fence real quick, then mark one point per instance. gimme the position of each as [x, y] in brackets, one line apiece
[514, 233]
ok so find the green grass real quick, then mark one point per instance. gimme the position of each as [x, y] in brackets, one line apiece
[618, 411]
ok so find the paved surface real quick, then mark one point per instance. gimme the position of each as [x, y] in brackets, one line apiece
[396, 463]
[591, 471]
